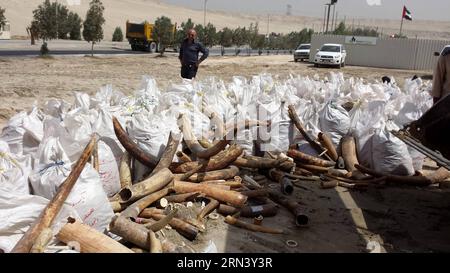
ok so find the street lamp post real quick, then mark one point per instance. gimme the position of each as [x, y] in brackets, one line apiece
[56, 8]
[328, 17]
[332, 3]
[204, 13]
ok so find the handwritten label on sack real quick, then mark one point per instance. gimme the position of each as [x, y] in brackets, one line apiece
[257, 208]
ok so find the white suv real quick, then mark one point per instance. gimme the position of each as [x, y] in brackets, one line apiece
[330, 54]
[302, 52]
[444, 51]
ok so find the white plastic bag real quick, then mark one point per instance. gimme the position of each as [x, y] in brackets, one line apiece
[24, 132]
[335, 121]
[19, 211]
[87, 196]
[246, 137]
[366, 118]
[108, 169]
[217, 98]
[82, 101]
[409, 113]
[150, 133]
[106, 97]
[308, 113]
[78, 124]
[147, 98]
[14, 171]
[389, 154]
[280, 126]
[56, 108]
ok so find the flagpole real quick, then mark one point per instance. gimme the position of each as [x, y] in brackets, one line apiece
[401, 25]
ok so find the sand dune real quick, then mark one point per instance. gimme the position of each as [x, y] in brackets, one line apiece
[19, 13]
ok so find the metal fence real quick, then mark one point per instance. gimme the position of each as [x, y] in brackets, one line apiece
[411, 54]
[245, 51]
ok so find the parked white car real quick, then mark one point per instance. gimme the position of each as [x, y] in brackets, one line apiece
[330, 54]
[302, 52]
[445, 50]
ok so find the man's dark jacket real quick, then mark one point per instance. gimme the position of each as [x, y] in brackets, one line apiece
[189, 52]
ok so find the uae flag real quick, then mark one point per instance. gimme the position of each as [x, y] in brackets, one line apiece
[407, 14]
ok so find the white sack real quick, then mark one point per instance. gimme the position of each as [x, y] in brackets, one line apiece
[389, 154]
[87, 196]
[14, 171]
[24, 132]
[19, 211]
[335, 121]
[108, 169]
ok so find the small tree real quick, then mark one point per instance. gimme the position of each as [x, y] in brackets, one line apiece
[54, 20]
[162, 31]
[44, 49]
[44, 20]
[255, 39]
[62, 27]
[200, 29]
[33, 31]
[239, 38]
[181, 33]
[210, 35]
[188, 25]
[226, 37]
[274, 40]
[341, 29]
[93, 24]
[259, 42]
[2, 17]
[117, 35]
[75, 24]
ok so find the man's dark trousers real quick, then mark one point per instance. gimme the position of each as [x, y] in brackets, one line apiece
[188, 71]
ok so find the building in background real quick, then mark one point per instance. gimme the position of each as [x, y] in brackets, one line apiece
[5, 31]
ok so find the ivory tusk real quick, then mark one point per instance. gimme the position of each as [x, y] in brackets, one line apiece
[131, 147]
[156, 182]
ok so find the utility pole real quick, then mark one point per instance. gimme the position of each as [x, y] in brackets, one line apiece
[204, 14]
[268, 20]
[332, 3]
[289, 10]
[328, 17]
[324, 18]
[56, 11]
[335, 21]
[332, 20]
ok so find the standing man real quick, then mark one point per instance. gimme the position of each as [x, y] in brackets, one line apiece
[441, 77]
[189, 55]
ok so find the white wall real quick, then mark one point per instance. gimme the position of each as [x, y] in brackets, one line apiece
[5, 32]
[411, 54]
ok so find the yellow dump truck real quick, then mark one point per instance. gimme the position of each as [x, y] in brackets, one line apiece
[140, 37]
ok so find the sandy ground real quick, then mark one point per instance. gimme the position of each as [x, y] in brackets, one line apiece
[117, 12]
[400, 219]
[25, 80]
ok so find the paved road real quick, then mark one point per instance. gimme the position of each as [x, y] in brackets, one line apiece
[16, 48]
[213, 52]
[17, 53]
